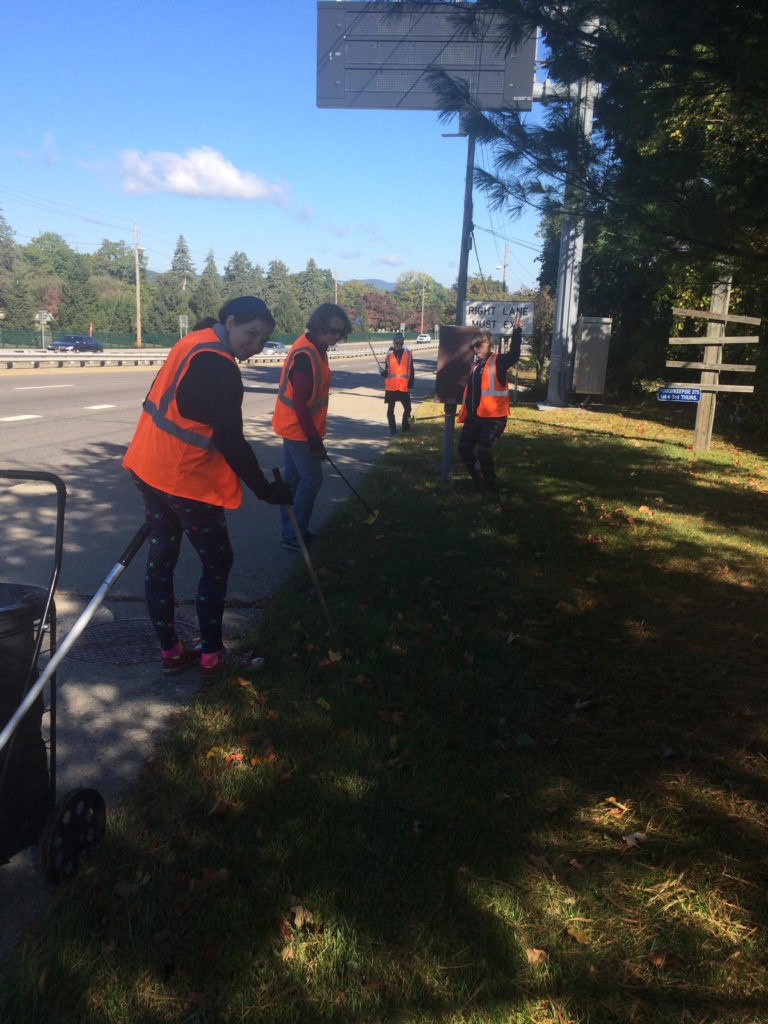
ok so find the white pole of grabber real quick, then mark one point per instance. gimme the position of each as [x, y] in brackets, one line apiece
[66, 644]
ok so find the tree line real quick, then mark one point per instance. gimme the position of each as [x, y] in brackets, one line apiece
[78, 289]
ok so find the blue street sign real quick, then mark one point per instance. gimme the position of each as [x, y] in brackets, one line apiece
[679, 394]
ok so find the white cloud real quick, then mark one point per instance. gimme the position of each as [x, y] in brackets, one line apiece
[198, 172]
[340, 230]
[305, 213]
[373, 232]
[50, 153]
[390, 259]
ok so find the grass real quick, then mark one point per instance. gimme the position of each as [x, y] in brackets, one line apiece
[532, 789]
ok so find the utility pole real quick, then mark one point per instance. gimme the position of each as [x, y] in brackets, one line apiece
[423, 286]
[138, 284]
[504, 268]
[569, 264]
[466, 232]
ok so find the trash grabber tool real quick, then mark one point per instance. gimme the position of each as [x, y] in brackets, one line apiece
[373, 513]
[373, 353]
[85, 617]
[310, 568]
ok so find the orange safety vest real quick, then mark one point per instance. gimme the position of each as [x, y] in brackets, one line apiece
[494, 397]
[285, 423]
[398, 373]
[174, 454]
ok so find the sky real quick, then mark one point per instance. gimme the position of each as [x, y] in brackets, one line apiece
[199, 119]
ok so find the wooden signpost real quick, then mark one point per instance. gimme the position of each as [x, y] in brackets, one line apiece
[712, 364]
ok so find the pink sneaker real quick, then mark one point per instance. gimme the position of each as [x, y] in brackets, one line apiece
[180, 661]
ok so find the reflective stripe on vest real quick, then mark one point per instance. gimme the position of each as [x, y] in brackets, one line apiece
[398, 374]
[159, 412]
[173, 453]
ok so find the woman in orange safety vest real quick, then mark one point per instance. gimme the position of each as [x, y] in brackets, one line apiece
[398, 380]
[484, 408]
[300, 411]
[187, 457]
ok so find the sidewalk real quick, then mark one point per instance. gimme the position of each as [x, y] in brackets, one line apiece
[111, 715]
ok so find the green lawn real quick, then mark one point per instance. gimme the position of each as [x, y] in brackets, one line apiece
[530, 788]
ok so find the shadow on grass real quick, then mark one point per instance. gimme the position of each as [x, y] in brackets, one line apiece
[434, 827]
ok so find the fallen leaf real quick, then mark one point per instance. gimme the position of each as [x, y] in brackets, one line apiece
[613, 800]
[323, 703]
[578, 934]
[209, 878]
[665, 958]
[536, 956]
[266, 754]
[301, 916]
[334, 655]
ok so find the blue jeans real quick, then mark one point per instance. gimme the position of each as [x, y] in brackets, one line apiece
[304, 473]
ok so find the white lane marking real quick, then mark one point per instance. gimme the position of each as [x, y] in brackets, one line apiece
[42, 387]
[15, 419]
[99, 407]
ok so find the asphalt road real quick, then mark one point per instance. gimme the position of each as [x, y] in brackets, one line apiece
[76, 423]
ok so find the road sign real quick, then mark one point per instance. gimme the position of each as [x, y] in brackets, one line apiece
[498, 317]
[679, 394]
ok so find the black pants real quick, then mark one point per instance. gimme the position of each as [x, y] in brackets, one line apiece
[391, 398]
[476, 440]
[206, 528]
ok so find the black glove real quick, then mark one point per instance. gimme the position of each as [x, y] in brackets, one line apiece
[316, 447]
[383, 373]
[278, 494]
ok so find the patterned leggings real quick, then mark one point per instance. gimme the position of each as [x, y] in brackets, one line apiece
[481, 433]
[206, 527]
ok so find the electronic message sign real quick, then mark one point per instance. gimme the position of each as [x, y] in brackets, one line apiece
[378, 55]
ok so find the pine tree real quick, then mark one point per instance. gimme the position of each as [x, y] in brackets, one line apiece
[182, 267]
[205, 299]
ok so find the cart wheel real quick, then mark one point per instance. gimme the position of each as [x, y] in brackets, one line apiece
[74, 827]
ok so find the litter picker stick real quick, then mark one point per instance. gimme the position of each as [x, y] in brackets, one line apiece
[372, 512]
[373, 353]
[64, 647]
[310, 568]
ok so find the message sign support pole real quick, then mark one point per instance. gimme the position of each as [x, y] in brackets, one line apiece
[449, 408]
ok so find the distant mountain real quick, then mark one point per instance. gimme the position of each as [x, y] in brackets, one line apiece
[375, 282]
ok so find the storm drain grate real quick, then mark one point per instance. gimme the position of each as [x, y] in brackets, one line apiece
[125, 642]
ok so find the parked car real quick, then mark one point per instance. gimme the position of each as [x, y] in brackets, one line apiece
[76, 343]
[275, 348]
[424, 339]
